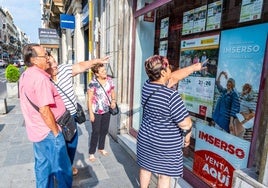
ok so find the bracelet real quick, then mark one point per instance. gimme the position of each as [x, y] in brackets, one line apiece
[185, 132]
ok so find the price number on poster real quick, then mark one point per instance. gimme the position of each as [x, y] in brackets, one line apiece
[204, 83]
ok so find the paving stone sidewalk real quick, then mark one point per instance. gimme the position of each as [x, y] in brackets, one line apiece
[17, 163]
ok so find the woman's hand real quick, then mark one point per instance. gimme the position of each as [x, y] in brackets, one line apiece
[200, 66]
[92, 117]
[113, 104]
[225, 74]
[105, 60]
[186, 143]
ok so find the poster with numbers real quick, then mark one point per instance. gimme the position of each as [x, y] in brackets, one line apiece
[197, 90]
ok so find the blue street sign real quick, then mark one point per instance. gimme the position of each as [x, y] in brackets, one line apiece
[67, 21]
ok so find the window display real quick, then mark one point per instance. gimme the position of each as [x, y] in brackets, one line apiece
[200, 19]
[197, 89]
[188, 22]
[164, 28]
[214, 16]
[250, 10]
[224, 146]
[163, 48]
[222, 99]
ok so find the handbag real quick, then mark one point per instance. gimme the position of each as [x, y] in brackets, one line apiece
[80, 115]
[66, 122]
[112, 111]
[115, 110]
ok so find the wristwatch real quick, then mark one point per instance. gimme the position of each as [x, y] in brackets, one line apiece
[186, 131]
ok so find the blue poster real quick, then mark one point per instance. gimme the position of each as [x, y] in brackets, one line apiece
[241, 58]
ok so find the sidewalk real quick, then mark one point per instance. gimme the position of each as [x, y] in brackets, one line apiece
[17, 163]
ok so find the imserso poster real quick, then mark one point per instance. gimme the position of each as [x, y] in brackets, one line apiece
[241, 59]
[218, 153]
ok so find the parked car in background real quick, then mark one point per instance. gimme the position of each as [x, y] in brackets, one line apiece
[18, 62]
[21, 62]
[15, 63]
[3, 63]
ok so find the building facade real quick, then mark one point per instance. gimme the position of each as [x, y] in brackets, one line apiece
[231, 34]
[11, 37]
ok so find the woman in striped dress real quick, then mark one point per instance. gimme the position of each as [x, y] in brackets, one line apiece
[165, 120]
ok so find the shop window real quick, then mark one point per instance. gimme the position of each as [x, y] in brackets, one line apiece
[214, 32]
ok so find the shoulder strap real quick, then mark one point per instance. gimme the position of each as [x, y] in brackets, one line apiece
[112, 73]
[104, 91]
[150, 96]
[63, 92]
[35, 107]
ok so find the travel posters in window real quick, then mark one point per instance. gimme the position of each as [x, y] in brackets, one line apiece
[214, 15]
[164, 28]
[197, 89]
[224, 146]
[250, 10]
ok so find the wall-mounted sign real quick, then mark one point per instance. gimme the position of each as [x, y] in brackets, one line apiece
[67, 21]
[48, 36]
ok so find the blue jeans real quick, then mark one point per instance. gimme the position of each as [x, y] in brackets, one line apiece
[72, 144]
[52, 162]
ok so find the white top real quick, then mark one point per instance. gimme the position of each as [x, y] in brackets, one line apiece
[65, 82]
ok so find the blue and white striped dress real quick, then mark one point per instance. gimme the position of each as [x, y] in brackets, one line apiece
[160, 141]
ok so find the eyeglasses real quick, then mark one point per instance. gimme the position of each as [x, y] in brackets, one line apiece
[43, 56]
